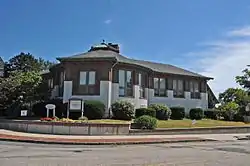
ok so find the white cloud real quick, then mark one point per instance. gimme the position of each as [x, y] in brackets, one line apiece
[223, 60]
[242, 32]
[108, 21]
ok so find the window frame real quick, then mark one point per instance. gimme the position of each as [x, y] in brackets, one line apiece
[195, 91]
[158, 89]
[127, 90]
[1, 73]
[92, 82]
[87, 78]
[50, 83]
[61, 78]
[177, 93]
[141, 88]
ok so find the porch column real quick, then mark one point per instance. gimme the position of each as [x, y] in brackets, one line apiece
[67, 91]
[105, 94]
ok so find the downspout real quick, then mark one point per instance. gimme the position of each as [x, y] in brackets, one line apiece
[111, 72]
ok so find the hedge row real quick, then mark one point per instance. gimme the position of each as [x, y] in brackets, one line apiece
[178, 113]
[196, 113]
[145, 111]
[92, 109]
[124, 110]
[162, 112]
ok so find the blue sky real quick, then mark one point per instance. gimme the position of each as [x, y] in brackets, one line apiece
[210, 37]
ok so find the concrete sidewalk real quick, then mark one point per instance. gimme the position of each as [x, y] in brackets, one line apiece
[6, 135]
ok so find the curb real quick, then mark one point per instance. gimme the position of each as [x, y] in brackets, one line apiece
[110, 142]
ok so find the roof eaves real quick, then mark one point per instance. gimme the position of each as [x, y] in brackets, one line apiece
[86, 59]
[192, 74]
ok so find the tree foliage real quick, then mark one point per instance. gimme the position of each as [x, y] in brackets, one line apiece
[26, 62]
[244, 80]
[23, 81]
[237, 95]
[229, 110]
[19, 84]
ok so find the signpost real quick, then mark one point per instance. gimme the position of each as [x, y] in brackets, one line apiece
[75, 105]
[51, 107]
[24, 112]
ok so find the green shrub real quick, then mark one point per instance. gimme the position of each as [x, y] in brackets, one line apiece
[83, 118]
[39, 109]
[94, 109]
[178, 113]
[162, 111]
[74, 115]
[212, 114]
[145, 111]
[123, 110]
[238, 117]
[196, 113]
[146, 122]
[229, 110]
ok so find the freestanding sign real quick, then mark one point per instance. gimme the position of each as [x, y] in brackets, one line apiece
[51, 107]
[24, 112]
[75, 105]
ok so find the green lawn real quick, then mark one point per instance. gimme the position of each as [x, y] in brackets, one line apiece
[187, 123]
[108, 121]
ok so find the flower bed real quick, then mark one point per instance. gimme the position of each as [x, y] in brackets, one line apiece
[47, 119]
[55, 119]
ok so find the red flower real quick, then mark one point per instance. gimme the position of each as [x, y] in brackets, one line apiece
[47, 119]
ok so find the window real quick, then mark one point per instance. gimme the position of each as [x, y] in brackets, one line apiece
[156, 86]
[195, 90]
[125, 83]
[203, 87]
[50, 83]
[141, 89]
[91, 78]
[61, 82]
[1, 73]
[62, 77]
[87, 78]
[83, 78]
[160, 87]
[178, 88]
[162, 90]
[121, 82]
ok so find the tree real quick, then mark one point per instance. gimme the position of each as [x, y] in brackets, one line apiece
[19, 86]
[229, 110]
[244, 80]
[23, 82]
[237, 95]
[45, 64]
[26, 62]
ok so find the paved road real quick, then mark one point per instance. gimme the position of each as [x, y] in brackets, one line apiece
[188, 154]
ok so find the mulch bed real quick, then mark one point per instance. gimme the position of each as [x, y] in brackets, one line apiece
[5, 137]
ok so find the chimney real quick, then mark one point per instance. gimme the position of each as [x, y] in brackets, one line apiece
[115, 47]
